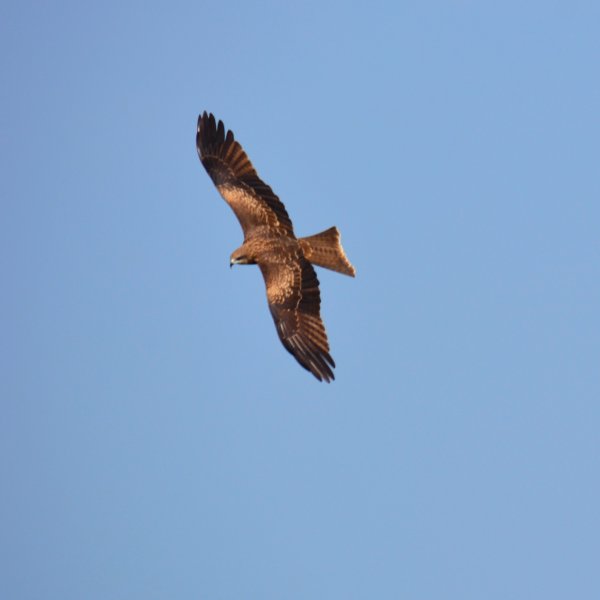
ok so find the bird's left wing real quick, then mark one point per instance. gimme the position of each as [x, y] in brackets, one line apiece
[252, 200]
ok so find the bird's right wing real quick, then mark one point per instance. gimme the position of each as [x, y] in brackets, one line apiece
[294, 301]
[252, 200]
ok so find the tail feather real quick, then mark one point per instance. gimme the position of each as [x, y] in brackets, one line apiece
[325, 250]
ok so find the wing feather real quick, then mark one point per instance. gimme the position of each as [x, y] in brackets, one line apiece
[294, 300]
[252, 200]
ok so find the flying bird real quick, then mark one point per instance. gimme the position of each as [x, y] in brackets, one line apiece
[286, 262]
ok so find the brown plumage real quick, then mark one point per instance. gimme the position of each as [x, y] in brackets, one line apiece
[269, 241]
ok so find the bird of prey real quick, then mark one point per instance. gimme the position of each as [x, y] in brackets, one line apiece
[269, 242]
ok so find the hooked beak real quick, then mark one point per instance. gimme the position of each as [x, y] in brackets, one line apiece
[237, 261]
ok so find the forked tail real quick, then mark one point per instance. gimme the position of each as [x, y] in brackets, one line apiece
[325, 250]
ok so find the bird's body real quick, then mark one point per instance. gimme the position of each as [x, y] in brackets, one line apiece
[265, 244]
[269, 242]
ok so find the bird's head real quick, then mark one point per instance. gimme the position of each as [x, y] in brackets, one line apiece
[240, 257]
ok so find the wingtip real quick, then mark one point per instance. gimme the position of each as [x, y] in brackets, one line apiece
[202, 118]
[328, 379]
[316, 361]
[323, 370]
[322, 376]
[205, 118]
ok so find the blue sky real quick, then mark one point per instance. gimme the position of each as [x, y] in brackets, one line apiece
[158, 442]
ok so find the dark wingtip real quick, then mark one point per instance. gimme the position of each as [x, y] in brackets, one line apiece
[202, 119]
[328, 375]
[327, 378]
[315, 360]
[211, 134]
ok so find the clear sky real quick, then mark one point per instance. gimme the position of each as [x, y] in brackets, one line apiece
[157, 441]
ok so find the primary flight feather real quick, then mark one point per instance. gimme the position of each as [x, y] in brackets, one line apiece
[269, 242]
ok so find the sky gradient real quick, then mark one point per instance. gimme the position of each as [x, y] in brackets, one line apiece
[158, 442]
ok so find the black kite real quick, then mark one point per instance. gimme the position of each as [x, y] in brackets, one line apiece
[269, 242]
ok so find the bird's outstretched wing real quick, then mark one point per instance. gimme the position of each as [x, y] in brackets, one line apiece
[252, 200]
[294, 301]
